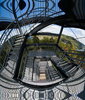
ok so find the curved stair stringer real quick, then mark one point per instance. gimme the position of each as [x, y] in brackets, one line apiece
[7, 72]
[35, 30]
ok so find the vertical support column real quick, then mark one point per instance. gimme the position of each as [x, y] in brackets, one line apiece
[14, 12]
[17, 69]
[60, 35]
[46, 1]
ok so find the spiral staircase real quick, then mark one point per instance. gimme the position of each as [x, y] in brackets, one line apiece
[39, 74]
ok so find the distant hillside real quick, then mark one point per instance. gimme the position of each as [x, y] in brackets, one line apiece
[72, 42]
[66, 42]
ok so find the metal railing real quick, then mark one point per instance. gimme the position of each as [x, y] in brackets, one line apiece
[7, 40]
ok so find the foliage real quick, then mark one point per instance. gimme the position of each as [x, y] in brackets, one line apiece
[69, 44]
[4, 51]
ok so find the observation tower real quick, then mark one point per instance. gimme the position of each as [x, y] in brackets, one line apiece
[39, 58]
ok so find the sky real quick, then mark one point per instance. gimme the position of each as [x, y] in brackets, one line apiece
[74, 32]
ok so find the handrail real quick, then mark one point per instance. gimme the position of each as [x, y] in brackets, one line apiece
[41, 44]
[69, 58]
[76, 54]
[6, 39]
[6, 33]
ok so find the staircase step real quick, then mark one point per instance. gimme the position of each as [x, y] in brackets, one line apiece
[21, 40]
[9, 68]
[68, 67]
[17, 44]
[73, 69]
[65, 64]
[15, 48]
[13, 58]
[8, 84]
[20, 36]
[5, 72]
[11, 64]
[62, 62]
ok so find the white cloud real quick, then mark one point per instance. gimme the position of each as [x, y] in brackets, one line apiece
[73, 32]
[52, 29]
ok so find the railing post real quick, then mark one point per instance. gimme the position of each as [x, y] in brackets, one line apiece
[14, 12]
[60, 35]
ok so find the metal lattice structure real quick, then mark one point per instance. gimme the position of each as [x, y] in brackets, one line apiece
[31, 68]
